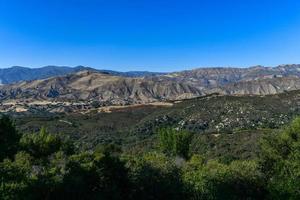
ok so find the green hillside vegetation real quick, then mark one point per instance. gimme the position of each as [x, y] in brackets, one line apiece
[223, 127]
[49, 166]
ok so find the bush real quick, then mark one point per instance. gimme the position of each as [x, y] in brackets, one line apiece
[154, 176]
[175, 143]
[45, 169]
[14, 181]
[95, 176]
[43, 144]
[280, 162]
[239, 180]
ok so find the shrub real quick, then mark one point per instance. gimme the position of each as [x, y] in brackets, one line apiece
[173, 142]
[239, 180]
[154, 176]
[280, 162]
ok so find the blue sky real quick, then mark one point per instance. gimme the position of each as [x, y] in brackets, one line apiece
[155, 35]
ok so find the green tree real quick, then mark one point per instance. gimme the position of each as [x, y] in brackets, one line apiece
[174, 142]
[37, 172]
[14, 177]
[47, 177]
[9, 138]
[43, 144]
[280, 162]
[94, 175]
[154, 176]
[213, 180]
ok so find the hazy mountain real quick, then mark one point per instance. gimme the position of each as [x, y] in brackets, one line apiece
[132, 74]
[16, 73]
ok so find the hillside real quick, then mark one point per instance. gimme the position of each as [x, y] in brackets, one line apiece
[234, 118]
[215, 113]
[215, 77]
[88, 86]
[95, 86]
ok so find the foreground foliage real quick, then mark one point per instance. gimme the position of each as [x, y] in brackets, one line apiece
[280, 161]
[48, 166]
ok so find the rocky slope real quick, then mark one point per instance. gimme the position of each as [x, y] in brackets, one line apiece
[215, 77]
[262, 86]
[94, 86]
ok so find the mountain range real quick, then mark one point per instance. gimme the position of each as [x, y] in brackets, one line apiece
[122, 88]
[16, 73]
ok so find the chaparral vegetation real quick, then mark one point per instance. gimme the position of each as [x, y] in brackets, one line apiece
[47, 165]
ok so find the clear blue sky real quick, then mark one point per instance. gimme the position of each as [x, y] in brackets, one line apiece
[155, 35]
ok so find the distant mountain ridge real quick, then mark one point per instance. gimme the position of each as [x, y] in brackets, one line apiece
[206, 76]
[88, 85]
[215, 77]
[16, 73]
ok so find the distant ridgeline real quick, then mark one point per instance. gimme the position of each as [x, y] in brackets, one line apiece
[124, 88]
[16, 73]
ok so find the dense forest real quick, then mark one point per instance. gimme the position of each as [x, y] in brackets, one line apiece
[47, 165]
